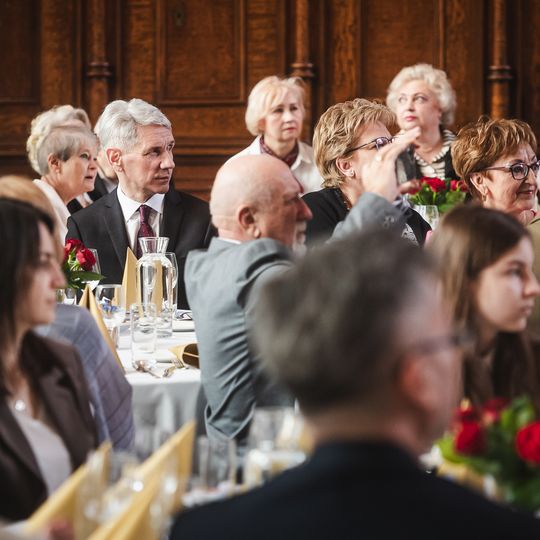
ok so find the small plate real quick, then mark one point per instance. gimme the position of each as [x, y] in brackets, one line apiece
[183, 326]
[164, 356]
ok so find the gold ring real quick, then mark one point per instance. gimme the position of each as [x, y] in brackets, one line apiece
[378, 158]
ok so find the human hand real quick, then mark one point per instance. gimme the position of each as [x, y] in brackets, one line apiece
[379, 174]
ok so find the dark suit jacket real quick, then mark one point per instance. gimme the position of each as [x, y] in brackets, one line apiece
[58, 379]
[186, 222]
[370, 491]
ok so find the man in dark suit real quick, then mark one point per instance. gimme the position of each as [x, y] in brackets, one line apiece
[360, 335]
[138, 141]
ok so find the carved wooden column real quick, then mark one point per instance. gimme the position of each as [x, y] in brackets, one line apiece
[301, 66]
[98, 73]
[500, 73]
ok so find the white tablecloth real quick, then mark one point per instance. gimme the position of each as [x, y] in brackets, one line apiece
[163, 403]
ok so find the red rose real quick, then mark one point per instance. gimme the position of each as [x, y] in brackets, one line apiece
[462, 186]
[470, 439]
[86, 259]
[466, 414]
[454, 185]
[436, 184]
[72, 243]
[492, 409]
[528, 442]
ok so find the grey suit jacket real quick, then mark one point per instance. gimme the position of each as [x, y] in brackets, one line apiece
[222, 288]
[220, 284]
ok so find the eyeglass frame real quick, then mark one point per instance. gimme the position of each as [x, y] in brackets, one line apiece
[508, 168]
[374, 141]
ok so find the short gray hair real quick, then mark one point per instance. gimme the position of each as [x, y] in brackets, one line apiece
[117, 125]
[45, 121]
[267, 93]
[64, 142]
[438, 82]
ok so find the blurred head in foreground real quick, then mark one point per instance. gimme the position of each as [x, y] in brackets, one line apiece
[353, 317]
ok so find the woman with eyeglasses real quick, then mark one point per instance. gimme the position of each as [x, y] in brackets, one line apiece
[422, 96]
[347, 137]
[486, 259]
[497, 160]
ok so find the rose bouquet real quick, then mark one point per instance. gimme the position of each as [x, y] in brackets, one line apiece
[444, 194]
[501, 439]
[78, 264]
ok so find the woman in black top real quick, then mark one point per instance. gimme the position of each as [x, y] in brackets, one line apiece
[345, 139]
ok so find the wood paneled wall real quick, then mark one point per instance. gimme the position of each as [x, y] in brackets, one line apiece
[198, 59]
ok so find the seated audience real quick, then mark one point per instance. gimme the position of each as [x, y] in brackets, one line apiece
[110, 392]
[422, 96]
[347, 136]
[46, 426]
[256, 206]
[66, 162]
[345, 331]
[497, 160]
[486, 260]
[275, 114]
[138, 141]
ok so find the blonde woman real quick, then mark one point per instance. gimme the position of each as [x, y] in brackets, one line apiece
[275, 115]
[422, 96]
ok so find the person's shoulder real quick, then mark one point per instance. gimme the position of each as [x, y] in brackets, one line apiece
[253, 149]
[96, 208]
[188, 200]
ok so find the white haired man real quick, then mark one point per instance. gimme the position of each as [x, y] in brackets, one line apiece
[138, 140]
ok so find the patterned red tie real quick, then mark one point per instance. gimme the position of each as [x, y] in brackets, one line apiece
[145, 229]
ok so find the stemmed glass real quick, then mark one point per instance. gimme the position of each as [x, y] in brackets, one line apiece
[430, 213]
[95, 268]
[172, 287]
[111, 300]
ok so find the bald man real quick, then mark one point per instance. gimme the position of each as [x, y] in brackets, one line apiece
[257, 208]
[261, 219]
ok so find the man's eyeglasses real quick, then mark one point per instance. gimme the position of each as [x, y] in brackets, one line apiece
[519, 171]
[379, 142]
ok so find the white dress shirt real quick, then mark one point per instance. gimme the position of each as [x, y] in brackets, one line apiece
[130, 210]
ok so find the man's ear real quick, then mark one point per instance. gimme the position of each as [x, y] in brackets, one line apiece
[54, 164]
[345, 168]
[114, 156]
[246, 216]
[415, 383]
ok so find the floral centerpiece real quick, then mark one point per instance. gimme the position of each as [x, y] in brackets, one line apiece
[78, 264]
[501, 439]
[444, 194]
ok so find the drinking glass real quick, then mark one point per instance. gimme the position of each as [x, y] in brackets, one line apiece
[111, 300]
[430, 213]
[143, 336]
[107, 490]
[96, 268]
[273, 444]
[172, 285]
[214, 471]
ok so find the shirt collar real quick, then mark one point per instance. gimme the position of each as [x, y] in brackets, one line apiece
[129, 206]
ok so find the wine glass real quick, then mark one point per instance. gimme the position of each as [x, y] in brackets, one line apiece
[96, 268]
[430, 213]
[172, 286]
[111, 300]
[273, 444]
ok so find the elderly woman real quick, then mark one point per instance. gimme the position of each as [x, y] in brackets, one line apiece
[47, 426]
[497, 160]
[421, 96]
[275, 114]
[347, 137]
[486, 265]
[66, 160]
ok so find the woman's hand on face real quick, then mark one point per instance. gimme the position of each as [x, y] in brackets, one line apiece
[379, 174]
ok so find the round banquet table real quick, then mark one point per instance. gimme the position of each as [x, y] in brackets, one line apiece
[163, 404]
